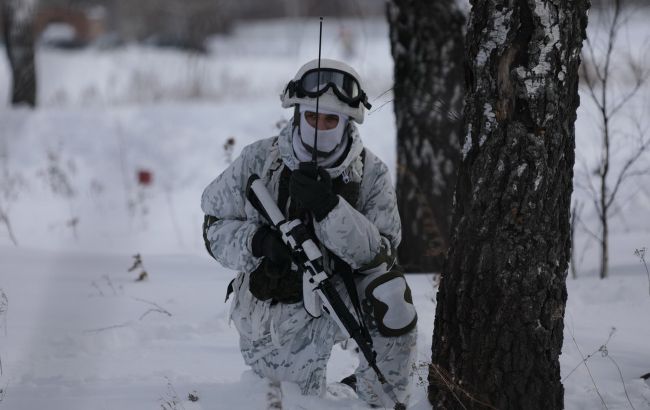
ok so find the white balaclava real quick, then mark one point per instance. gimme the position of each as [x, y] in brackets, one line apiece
[331, 143]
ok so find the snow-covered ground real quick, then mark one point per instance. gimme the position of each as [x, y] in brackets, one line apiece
[81, 333]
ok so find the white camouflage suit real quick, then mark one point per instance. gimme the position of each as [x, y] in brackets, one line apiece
[282, 341]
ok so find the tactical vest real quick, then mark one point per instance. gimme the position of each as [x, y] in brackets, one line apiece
[287, 288]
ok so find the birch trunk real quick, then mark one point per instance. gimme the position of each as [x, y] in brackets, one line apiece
[499, 319]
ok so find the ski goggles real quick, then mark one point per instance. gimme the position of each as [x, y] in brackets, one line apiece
[315, 83]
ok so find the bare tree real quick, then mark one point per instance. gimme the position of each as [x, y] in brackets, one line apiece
[18, 18]
[500, 307]
[605, 182]
[427, 46]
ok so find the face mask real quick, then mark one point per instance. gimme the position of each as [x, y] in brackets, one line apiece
[328, 140]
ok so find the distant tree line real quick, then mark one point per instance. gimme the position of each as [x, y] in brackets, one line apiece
[193, 20]
[609, 3]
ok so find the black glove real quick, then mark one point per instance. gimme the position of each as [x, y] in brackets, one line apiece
[274, 279]
[311, 188]
[268, 243]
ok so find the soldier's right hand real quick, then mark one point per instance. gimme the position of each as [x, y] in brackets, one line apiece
[267, 242]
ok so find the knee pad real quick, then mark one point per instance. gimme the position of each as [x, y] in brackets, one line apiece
[392, 303]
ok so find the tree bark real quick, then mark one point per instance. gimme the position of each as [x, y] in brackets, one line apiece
[18, 18]
[427, 47]
[499, 319]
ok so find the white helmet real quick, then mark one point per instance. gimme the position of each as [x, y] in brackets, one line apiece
[336, 85]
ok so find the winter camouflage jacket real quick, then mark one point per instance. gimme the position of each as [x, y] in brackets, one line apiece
[363, 234]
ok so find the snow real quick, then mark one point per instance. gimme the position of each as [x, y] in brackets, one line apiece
[81, 333]
[55, 354]
[58, 32]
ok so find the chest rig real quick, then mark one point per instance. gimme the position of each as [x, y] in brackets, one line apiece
[286, 287]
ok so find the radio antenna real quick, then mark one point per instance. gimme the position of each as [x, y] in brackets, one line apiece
[315, 152]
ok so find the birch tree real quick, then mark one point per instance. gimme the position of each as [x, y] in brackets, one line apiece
[500, 306]
[427, 47]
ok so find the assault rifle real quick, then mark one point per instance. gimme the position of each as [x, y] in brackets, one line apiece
[319, 293]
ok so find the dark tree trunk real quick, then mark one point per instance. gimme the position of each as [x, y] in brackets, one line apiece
[427, 46]
[499, 318]
[18, 17]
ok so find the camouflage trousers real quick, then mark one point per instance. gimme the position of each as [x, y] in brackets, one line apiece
[282, 342]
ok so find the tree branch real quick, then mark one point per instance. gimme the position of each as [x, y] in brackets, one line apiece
[626, 173]
[587, 230]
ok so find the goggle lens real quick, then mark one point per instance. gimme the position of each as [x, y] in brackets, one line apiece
[345, 84]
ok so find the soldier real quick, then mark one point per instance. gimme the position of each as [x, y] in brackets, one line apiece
[349, 203]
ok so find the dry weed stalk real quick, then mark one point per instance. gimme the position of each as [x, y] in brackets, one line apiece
[138, 265]
[58, 175]
[604, 352]
[4, 306]
[171, 401]
[11, 185]
[156, 308]
[641, 254]
[445, 381]
[229, 149]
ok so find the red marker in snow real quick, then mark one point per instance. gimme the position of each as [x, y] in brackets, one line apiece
[145, 177]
